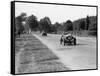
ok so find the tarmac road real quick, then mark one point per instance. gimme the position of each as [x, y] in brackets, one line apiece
[80, 56]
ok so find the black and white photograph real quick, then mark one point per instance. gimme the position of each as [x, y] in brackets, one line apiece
[53, 37]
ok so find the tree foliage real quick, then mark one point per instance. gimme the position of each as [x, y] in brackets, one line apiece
[93, 27]
[31, 22]
[82, 25]
[18, 23]
[45, 24]
[87, 23]
[68, 25]
[57, 27]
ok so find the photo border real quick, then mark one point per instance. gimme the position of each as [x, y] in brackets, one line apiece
[13, 36]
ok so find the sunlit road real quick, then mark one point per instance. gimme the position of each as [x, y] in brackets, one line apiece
[80, 56]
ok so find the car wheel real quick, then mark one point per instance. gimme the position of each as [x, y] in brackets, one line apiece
[60, 41]
[64, 43]
[74, 42]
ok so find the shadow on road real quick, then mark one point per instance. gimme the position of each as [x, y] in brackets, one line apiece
[80, 44]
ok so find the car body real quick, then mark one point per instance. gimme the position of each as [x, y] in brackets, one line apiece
[68, 39]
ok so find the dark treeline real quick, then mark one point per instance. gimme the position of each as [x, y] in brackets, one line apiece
[30, 23]
[88, 25]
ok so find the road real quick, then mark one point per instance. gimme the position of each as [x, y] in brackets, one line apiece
[81, 56]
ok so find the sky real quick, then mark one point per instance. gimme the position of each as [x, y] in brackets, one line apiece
[56, 13]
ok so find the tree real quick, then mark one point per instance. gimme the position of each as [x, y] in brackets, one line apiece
[82, 25]
[93, 27]
[19, 28]
[68, 25]
[56, 27]
[87, 23]
[45, 24]
[31, 22]
[53, 28]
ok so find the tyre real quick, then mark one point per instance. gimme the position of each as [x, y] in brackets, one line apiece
[74, 41]
[64, 43]
[60, 41]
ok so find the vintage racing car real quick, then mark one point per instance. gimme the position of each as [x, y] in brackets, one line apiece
[68, 39]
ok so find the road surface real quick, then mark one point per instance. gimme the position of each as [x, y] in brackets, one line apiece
[81, 56]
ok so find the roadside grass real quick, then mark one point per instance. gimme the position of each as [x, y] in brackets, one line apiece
[51, 66]
[36, 57]
[44, 55]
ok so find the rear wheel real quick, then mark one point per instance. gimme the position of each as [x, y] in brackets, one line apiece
[74, 41]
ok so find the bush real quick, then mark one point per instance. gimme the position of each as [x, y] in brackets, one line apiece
[93, 33]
